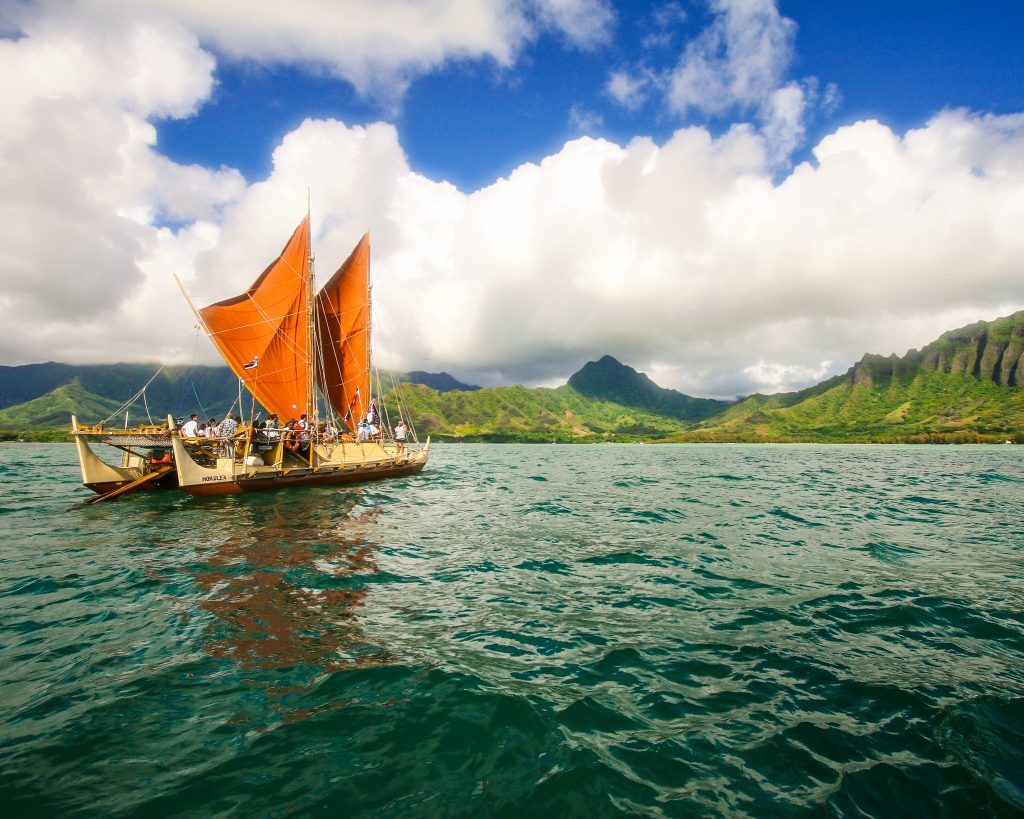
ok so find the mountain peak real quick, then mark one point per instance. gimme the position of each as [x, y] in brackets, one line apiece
[611, 380]
[442, 382]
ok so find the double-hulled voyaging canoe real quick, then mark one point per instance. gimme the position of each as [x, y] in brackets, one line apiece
[302, 354]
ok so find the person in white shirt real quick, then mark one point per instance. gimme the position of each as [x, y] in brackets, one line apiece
[190, 429]
[271, 434]
[400, 433]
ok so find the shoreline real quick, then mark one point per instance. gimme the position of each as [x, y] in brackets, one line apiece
[54, 436]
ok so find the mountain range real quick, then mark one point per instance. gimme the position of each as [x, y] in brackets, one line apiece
[964, 386]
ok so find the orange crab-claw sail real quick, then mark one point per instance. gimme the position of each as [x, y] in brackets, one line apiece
[343, 328]
[263, 334]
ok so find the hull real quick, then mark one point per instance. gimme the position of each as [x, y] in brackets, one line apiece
[205, 473]
[103, 478]
[322, 478]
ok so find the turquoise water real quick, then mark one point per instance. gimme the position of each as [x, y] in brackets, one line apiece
[524, 631]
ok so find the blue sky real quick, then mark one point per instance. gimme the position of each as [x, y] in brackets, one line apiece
[472, 122]
[730, 195]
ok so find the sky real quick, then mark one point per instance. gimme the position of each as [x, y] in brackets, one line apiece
[732, 196]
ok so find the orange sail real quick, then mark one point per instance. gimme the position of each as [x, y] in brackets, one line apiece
[263, 334]
[343, 328]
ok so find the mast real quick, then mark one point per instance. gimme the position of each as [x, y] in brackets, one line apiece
[311, 403]
[369, 320]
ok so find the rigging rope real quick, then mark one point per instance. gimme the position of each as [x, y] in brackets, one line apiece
[134, 398]
[188, 372]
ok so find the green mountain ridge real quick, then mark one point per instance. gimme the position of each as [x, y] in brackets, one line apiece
[964, 386]
[529, 414]
[45, 395]
[173, 388]
[55, 408]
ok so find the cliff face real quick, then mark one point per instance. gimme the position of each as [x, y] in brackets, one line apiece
[988, 350]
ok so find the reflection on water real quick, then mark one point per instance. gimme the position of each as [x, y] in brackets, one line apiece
[286, 586]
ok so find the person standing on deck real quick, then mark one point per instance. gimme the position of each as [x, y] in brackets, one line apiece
[271, 426]
[400, 433]
[190, 429]
[228, 428]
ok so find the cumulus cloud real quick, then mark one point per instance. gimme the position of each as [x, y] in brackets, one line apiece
[693, 259]
[685, 259]
[83, 187]
[378, 46]
[79, 176]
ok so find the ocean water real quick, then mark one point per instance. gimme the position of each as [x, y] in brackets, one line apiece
[523, 631]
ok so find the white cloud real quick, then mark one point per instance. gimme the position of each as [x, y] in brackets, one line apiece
[689, 259]
[80, 179]
[628, 88]
[772, 378]
[662, 25]
[583, 120]
[379, 46]
[685, 259]
[586, 23]
[737, 66]
[783, 121]
[738, 61]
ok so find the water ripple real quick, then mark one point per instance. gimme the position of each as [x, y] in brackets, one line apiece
[579, 631]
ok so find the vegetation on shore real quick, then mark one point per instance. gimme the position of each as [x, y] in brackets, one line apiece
[965, 387]
[931, 408]
[36, 436]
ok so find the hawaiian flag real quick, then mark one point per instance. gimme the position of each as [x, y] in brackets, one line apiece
[351, 405]
[251, 365]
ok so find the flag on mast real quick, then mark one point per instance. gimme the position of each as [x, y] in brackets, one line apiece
[351, 404]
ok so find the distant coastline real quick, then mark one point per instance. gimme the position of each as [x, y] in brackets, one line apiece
[55, 436]
[964, 387]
